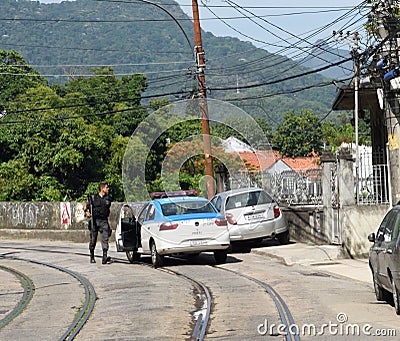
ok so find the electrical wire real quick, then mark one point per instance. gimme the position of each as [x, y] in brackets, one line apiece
[275, 44]
[238, 8]
[229, 88]
[163, 9]
[271, 62]
[283, 92]
[250, 86]
[144, 20]
[113, 112]
[54, 75]
[92, 49]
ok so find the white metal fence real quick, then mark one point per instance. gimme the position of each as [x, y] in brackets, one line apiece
[290, 187]
[305, 187]
[373, 178]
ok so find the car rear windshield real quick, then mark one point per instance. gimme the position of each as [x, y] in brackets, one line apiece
[187, 207]
[248, 199]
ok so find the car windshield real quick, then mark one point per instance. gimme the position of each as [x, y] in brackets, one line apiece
[187, 207]
[248, 199]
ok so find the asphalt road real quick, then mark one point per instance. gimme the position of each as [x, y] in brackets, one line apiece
[137, 302]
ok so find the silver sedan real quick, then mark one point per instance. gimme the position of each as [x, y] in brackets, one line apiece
[252, 214]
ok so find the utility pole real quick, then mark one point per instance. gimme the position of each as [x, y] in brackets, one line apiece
[205, 125]
[356, 57]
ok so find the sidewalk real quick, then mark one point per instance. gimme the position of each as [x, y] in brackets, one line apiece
[325, 258]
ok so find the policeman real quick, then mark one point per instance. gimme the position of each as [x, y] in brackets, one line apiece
[98, 209]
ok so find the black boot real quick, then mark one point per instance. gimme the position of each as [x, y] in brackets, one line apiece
[92, 260]
[105, 258]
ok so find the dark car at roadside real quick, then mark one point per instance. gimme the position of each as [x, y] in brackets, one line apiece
[384, 258]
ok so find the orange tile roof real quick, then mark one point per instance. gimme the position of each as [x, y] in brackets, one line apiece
[260, 160]
[302, 163]
[263, 160]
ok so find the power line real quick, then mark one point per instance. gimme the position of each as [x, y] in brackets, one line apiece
[227, 88]
[148, 51]
[108, 65]
[163, 9]
[91, 49]
[286, 48]
[283, 79]
[284, 92]
[144, 20]
[113, 112]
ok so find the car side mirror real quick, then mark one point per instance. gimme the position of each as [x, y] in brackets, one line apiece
[371, 237]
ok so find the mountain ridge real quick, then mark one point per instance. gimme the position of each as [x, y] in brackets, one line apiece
[69, 38]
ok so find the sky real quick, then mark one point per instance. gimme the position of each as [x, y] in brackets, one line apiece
[293, 19]
[281, 24]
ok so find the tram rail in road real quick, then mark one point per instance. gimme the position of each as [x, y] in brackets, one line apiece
[284, 312]
[84, 312]
[204, 298]
[27, 294]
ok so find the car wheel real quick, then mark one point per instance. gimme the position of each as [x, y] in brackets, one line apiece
[220, 256]
[283, 238]
[379, 291]
[133, 256]
[156, 259]
[396, 298]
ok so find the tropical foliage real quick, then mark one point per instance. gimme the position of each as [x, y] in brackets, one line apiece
[58, 141]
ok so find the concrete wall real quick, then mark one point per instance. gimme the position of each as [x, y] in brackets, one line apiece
[308, 224]
[357, 222]
[47, 220]
[354, 223]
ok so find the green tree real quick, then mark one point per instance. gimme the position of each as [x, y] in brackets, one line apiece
[247, 126]
[335, 132]
[55, 154]
[58, 142]
[16, 77]
[299, 134]
[334, 135]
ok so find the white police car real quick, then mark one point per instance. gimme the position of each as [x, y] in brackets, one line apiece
[172, 225]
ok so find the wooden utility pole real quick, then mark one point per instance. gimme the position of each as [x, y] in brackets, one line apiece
[201, 65]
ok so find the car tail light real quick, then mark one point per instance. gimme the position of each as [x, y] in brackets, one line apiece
[230, 219]
[277, 212]
[221, 222]
[168, 226]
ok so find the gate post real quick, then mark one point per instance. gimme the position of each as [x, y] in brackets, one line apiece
[346, 179]
[328, 161]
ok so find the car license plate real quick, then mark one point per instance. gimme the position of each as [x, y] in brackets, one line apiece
[198, 242]
[252, 217]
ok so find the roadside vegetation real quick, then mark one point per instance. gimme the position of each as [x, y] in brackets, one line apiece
[58, 141]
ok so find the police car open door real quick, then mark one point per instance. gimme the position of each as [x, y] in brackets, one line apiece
[127, 233]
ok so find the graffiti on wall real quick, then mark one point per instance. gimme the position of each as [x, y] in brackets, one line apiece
[45, 215]
[25, 214]
[79, 213]
[65, 213]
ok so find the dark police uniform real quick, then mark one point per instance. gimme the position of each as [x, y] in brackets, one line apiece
[100, 210]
